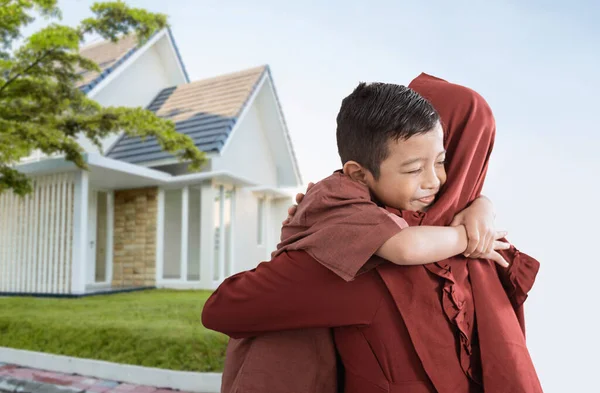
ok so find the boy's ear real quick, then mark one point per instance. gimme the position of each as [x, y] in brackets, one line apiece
[356, 172]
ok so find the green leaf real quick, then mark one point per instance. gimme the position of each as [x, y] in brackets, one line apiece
[41, 105]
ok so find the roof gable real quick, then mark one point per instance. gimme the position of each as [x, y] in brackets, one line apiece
[206, 110]
[111, 55]
[108, 55]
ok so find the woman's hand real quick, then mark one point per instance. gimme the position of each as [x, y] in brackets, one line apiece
[479, 220]
[292, 209]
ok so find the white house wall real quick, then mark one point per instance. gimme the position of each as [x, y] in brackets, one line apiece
[136, 86]
[36, 237]
[248, 252]
[248, 154]
[279, 209]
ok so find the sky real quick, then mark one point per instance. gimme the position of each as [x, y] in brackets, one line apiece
[536, 62]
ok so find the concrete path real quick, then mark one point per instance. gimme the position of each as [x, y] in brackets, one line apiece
[15, 379]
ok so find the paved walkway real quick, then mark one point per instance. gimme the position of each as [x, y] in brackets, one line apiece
[27, 380]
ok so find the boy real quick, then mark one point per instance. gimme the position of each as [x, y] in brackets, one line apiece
[390, 141]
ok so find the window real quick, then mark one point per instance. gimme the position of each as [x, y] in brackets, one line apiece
[260, 222]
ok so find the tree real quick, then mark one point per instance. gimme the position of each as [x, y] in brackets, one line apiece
[41, 107]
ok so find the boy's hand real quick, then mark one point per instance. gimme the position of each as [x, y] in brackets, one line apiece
[496, 245]
[478, 219]
[292, 209]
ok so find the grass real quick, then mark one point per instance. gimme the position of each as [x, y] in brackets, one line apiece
[155, 328]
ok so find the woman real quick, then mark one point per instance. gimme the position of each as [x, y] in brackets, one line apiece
[453, 326]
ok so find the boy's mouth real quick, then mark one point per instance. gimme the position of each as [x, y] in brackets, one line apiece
[427, 200]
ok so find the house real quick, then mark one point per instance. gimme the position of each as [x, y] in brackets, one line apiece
[138, 218]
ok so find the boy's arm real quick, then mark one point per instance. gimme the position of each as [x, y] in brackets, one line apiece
[427, 244]
[293, 291]
[424, 244]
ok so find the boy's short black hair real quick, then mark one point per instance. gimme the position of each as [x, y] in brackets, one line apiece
[375, 114]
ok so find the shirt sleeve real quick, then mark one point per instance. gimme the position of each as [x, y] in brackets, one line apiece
[341, 227]
[292, 291]
[518, 279]
[358, 236]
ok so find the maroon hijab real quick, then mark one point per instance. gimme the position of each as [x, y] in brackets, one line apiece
[506, 364]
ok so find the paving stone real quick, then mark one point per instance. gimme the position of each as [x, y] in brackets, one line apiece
[52, 380]
[125, 387]
[28, 387]
[97, 389]
[22, 373]
[143, 389]
[7, 384]
[14, 379]
[48, 388]
[108, 384]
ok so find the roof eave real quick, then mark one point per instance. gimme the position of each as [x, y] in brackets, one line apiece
[288, 139]
[104, 79]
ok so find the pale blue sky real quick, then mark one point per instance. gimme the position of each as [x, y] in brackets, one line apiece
[537, 64]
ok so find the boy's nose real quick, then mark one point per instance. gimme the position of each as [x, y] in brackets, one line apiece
[431, 182]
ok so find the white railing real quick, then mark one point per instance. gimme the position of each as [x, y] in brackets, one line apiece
[36, 237]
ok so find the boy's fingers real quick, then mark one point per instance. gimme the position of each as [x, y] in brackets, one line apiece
[489, 243]
[498, 245]
[498, 259]
[456, 221]
[299, 197]
[472, 243]
[292, 210]
[500, 235]
[482, 246]
[310, 185]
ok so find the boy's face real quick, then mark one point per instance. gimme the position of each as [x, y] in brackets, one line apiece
[413, 173]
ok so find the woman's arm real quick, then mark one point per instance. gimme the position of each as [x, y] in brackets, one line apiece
[293, 291]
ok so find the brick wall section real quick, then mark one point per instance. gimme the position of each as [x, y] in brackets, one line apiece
[134, 258]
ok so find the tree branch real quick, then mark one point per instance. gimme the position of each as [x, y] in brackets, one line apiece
[18, 75]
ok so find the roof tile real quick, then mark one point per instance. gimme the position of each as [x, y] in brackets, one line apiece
[206, 110]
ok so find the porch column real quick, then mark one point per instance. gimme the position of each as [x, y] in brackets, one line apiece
[185, 205]
[160, 235]
[80, 232]
[110, 234]
[207, 234]
[267, 227]
[221, 233]
[231, 265]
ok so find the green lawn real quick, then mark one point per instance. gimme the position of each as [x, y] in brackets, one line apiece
[156, 328]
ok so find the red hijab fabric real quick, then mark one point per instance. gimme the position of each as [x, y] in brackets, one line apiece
[506, 364]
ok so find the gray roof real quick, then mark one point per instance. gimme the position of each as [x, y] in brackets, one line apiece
[206, 110]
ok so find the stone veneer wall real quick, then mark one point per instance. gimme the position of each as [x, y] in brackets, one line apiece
[134, 260]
